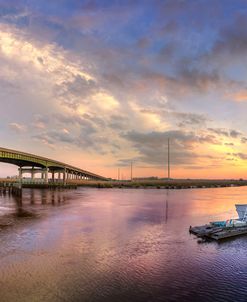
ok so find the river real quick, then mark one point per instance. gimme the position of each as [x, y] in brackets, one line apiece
[119, 245]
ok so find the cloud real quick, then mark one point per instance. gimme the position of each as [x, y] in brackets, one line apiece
[240, 155]
[46, 58]
[86, 131]
[180, 119]
[18, 128]
[40, 121]
[244, 140]
[152, 146]
[143, 42]
[226, 132]
[189, 119]
[240, 96]
[44, 139]
[76, 91]
[122, 90]
[232, 39]
[57, 91]
[235, 133]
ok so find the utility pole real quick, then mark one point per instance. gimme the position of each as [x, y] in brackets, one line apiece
[168, 158]
[131, 170]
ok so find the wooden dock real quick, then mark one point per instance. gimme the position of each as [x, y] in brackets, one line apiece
[217, 233]
[15, 188]
[230, 232]
[50, 185]
[11, 188]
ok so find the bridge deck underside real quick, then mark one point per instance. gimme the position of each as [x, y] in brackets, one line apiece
[41, 164]
[21, 163]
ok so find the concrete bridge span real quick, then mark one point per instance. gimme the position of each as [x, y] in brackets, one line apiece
[33, 164]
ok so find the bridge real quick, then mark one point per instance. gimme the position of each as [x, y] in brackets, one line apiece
[34, 164]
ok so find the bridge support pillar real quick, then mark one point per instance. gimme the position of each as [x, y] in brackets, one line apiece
[20, 174]
[52, 176]
[32, 173]
[46, 175]
[59, 175]
[64, 176]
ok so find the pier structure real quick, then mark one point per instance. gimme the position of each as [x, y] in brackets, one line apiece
[11, 188]
[50, 171]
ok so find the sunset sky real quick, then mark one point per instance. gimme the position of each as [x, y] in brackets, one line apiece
[98, 84]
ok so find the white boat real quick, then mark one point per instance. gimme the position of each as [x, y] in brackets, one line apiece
[223, 229]
[242, 211]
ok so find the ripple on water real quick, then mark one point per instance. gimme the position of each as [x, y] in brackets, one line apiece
[119, 245]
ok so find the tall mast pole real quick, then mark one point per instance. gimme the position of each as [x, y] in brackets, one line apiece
[131, 170]
[168, 158]
[118, 173]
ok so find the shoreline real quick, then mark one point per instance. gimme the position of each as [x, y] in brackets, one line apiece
[175, 184]
[166, 184]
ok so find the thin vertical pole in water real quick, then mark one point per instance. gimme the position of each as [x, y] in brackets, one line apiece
[168, 158]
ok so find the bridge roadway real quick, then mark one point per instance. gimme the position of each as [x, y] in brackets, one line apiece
[33, 164]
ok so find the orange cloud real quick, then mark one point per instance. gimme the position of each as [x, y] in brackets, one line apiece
[240, 96]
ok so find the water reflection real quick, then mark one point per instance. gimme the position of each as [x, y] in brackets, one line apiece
[166, 206]
[120, 245]
[30, 205]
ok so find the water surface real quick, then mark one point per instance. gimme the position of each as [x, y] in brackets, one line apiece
[119, 245]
